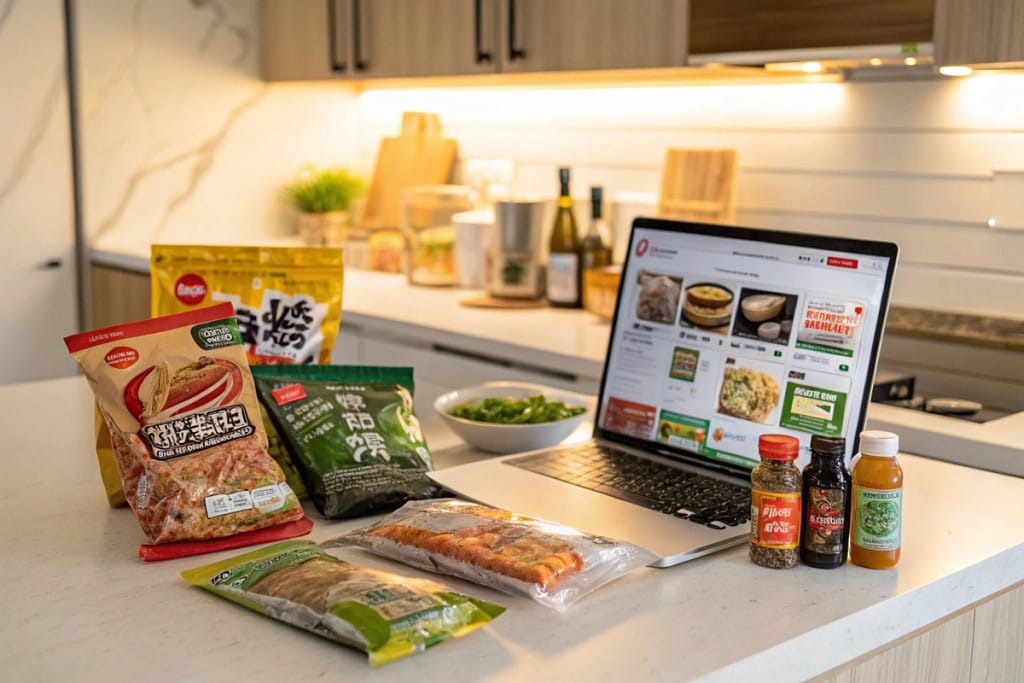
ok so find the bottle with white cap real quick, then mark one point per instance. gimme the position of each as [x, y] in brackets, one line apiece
[877, 502]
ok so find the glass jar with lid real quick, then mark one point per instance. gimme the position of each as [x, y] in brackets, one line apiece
[429, 232]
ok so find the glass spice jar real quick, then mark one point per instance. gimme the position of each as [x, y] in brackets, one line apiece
[824, 524]
[775, 503]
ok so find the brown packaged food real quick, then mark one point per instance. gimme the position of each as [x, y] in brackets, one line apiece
[178, 398]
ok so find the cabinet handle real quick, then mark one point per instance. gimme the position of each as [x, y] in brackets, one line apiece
[478, 18]
[52, 264]
[334, 18]
[359, 63]
[514, 53]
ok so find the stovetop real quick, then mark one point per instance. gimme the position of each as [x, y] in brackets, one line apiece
[958, 408]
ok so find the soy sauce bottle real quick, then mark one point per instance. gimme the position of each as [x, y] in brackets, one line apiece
[826, 496]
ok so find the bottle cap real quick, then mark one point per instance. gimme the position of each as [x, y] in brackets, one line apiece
[778, 447]
[877, 442]
[828, 445]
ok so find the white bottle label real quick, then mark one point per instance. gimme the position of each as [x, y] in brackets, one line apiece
[562, 277]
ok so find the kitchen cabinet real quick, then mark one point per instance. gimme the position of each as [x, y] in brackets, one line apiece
[567, 35]
[438, 368]
[752, 25]
[38, 273]
[360, 39]
[979, 32]
[116, 296]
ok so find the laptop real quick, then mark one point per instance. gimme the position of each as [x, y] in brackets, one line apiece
[720, 334]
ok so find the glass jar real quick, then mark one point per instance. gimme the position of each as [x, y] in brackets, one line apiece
[775, 503]
[429, 232]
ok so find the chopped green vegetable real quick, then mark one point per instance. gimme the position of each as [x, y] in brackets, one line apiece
[529, 410]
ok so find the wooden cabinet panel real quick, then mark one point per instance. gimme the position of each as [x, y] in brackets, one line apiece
[998, 634]
[563, 35]
[754, 25]
[979, 32]
[296, 42]
[116, 296]
[416, 38]
[357, 39]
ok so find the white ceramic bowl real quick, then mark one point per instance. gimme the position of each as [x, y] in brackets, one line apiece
[503, 438]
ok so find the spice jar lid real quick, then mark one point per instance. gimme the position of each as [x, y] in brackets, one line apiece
[828, 445]
[778, 447]
[877, 442]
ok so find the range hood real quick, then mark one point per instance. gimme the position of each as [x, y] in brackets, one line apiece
[863, 62]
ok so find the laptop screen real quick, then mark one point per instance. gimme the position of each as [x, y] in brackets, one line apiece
[722, 334]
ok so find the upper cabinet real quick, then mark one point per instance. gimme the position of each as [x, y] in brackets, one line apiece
[319, 39]
[567, 35]
[979, 32]
[718, 27]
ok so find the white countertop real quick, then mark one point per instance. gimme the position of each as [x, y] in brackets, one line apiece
[79, 605]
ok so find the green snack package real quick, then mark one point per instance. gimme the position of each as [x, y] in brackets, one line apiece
[386, 615]
[351, 432]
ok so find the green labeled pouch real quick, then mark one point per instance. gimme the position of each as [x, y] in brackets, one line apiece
[386, 615]
[351, 432]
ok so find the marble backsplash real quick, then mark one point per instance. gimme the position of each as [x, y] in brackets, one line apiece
[180, 138]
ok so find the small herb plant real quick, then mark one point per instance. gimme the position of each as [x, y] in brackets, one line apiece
[322, 190]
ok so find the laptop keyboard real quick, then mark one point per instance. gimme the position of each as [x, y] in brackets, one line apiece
[695, 497]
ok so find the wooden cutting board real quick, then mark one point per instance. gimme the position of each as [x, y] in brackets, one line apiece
[699, 185]
[418, 156]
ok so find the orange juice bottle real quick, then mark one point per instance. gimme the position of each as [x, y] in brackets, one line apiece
[877, 502]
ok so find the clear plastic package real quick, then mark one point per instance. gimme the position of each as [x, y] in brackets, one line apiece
[551, 563]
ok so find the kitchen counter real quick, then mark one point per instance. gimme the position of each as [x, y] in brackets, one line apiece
[79, 605]
[570, 345]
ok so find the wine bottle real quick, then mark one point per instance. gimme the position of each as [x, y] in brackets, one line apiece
[595, 252]
[564, 273]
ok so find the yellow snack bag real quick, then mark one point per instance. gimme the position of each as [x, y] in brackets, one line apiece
[287, 303]
[287, 299]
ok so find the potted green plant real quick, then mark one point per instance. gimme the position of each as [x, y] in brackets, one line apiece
[323, 199]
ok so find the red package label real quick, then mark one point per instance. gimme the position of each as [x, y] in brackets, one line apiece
[287, 394]
[775, 519]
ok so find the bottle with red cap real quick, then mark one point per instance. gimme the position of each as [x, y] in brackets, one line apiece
[775, 503]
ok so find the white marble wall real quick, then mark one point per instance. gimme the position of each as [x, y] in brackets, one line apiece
[181, 139]
[36, 214]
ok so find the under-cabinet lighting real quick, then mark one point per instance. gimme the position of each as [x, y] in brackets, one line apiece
[956, 70]
[811, 67]
[876, 62]
[910, 61]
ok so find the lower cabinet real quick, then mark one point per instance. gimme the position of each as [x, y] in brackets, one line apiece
[116, 296]
[979, 645]
[440, 369]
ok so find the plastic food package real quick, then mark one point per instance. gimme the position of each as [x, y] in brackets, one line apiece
[352, 433]
[386, 615]
[553, 564]
[287, 302]
[179, 402]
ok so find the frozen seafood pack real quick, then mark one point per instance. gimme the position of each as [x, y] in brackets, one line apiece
[551, 563]
[386, 615]
[178, 399]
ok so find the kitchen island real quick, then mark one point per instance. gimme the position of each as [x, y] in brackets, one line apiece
[79, 605]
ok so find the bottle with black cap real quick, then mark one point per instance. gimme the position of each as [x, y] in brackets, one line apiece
[826, 496]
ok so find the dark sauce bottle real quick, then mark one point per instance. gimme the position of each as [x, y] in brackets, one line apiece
[825, 523]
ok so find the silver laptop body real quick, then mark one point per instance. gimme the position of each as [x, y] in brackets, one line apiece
[704, 313]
